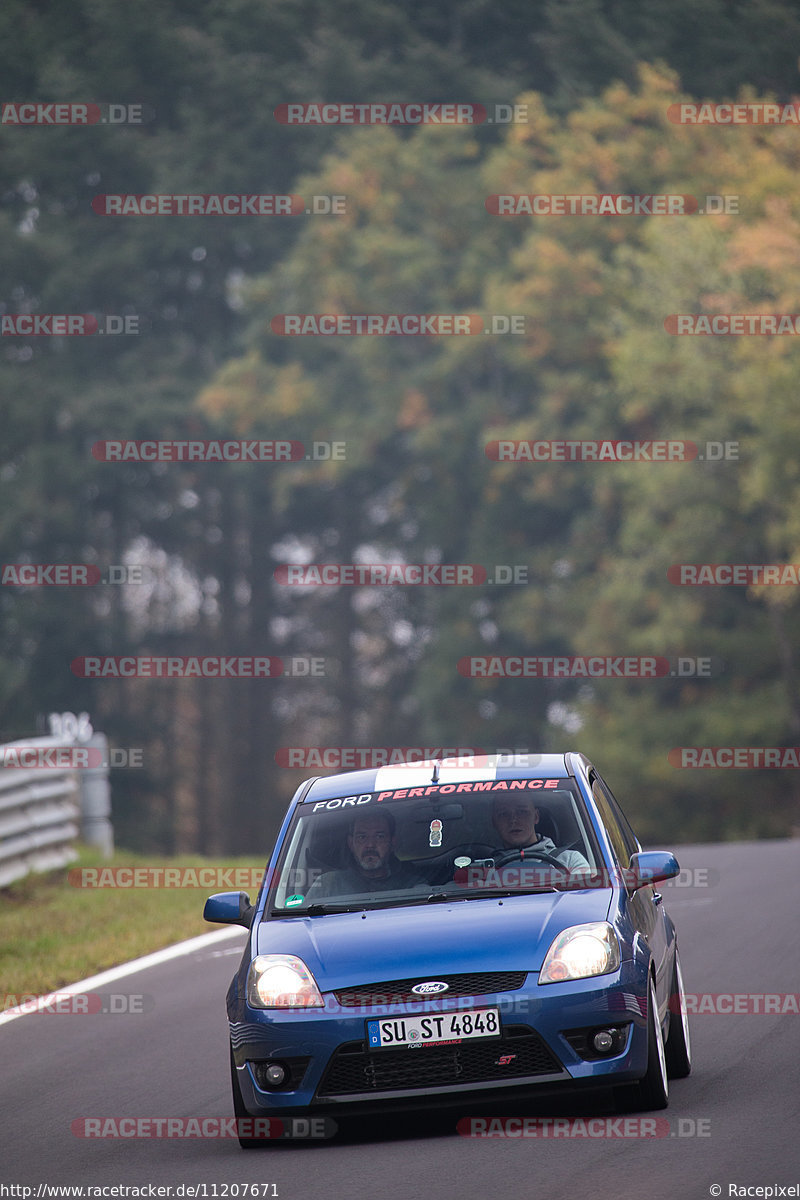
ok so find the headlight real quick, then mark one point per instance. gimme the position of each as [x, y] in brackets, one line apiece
[580, 952]
[281, 981]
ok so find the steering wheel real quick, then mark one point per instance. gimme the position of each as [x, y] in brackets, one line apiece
[522, 853]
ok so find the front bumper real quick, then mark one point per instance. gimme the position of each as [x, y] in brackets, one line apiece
[542, 1049]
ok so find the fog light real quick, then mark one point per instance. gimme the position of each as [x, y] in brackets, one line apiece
[603, 1041]
[275, 1075]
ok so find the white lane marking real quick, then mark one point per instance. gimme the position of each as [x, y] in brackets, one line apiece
[124, 969]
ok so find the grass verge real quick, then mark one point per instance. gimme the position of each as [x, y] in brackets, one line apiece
[53, 932]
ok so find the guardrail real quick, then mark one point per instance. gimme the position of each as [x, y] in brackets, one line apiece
[44, 810]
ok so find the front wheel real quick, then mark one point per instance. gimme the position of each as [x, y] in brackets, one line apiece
[678, 1048]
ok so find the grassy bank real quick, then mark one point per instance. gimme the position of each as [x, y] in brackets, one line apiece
[60, 927]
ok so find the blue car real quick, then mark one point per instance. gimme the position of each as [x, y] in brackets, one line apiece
[452, 932]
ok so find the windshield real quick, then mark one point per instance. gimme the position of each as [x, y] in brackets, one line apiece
[462, 841]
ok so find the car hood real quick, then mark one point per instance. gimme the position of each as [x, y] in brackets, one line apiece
[345, 949]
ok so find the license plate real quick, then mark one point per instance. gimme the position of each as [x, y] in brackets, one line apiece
[391, 1032]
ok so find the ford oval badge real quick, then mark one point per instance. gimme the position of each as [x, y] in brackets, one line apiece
[429, 989]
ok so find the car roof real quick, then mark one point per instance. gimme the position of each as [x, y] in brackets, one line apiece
[377, 779]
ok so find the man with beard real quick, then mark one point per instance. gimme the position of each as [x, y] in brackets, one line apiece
[374, 865]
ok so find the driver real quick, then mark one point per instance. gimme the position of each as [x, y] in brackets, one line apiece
[515, 819]
[374, 865]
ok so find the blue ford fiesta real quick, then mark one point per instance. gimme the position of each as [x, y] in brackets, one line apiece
[474, 929]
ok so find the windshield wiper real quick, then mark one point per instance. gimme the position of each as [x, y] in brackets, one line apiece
[323, 909]
[484, 893]
[320, 909]
[316, 910]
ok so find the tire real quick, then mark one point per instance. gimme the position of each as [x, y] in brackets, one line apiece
[241, 1113]
[652, 1091]
[678, 1047]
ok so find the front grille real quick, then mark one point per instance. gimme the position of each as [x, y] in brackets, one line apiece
[398, 991]
[353, 1070]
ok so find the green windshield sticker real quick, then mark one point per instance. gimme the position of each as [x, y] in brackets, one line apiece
[293, 901]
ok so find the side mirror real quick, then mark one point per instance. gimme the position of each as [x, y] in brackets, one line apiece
[229, 908]
[651, 866]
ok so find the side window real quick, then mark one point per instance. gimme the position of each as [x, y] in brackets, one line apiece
[631, 839]
[619, 831]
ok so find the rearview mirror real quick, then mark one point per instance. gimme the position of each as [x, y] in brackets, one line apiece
[444, 811]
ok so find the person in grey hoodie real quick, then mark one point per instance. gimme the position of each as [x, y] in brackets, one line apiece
[515, 818]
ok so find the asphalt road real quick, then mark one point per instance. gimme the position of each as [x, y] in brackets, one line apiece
[735, 1120]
